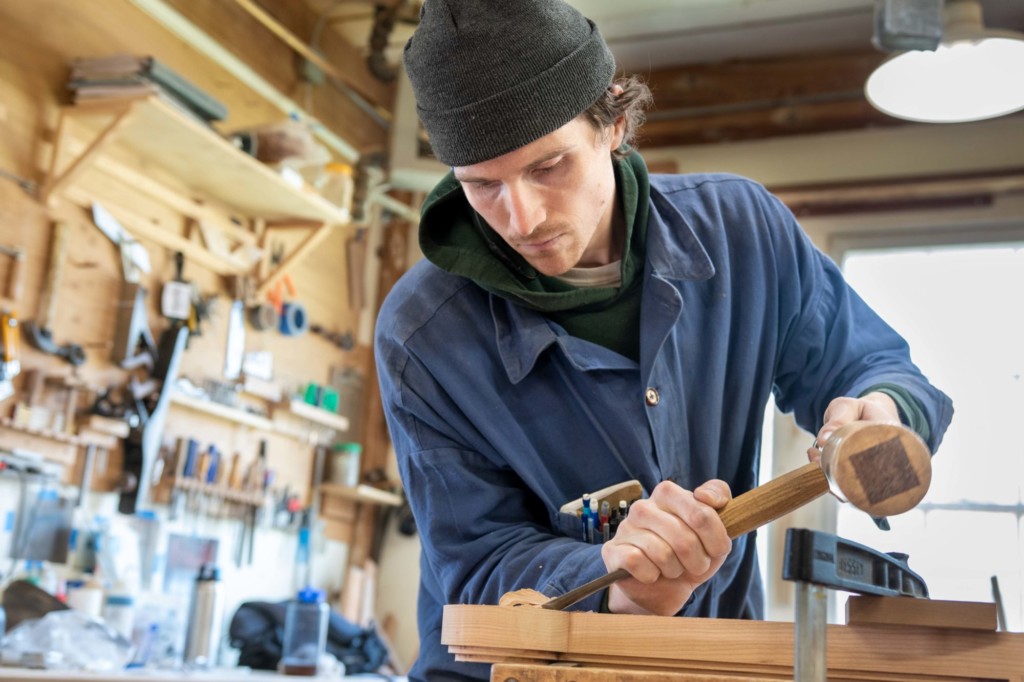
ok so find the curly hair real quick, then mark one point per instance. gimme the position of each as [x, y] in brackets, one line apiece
[632, 103]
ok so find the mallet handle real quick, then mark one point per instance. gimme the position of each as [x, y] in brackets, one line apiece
[776, 498]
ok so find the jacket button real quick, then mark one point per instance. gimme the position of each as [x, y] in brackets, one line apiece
[652, 397]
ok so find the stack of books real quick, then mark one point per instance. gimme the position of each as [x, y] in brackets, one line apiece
[125, 75]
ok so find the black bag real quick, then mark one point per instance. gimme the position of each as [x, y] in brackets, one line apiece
[257, 631]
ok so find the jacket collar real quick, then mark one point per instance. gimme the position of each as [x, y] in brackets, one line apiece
[673, 249]
[673, 253]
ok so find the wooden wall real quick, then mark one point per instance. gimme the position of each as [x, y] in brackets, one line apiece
[38, 39]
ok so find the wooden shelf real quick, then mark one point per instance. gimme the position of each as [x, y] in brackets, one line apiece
[215, 185]
[52, 446]
[315, 414]
[207, 163]
[49, 434]
[295, 408]
[362, 493]
[231, 414]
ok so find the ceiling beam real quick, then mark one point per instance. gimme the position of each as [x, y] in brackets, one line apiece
[754, 99]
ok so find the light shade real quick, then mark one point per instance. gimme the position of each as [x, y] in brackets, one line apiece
[974, 74]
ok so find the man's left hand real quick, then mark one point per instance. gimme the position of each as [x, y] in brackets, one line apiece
[873, 407]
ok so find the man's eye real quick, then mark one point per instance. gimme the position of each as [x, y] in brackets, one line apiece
[547, 170]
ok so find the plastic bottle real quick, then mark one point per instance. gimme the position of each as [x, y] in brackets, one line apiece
[305, 633]
[82, 542]
[119, 610]
[86, 597]
[202, 638]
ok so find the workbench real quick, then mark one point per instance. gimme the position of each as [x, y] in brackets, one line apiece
[533, 644]
[221, 675]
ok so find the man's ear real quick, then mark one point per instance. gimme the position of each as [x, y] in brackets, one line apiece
[617, 132]
[612, 134]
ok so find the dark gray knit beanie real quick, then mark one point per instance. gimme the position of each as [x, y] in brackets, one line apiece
[491, 76]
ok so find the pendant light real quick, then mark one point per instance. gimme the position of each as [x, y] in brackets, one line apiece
[973, 75]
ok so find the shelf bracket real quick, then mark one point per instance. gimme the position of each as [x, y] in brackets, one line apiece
[56, 181]
[319, 232]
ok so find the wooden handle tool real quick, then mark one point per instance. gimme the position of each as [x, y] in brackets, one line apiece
[883, 469]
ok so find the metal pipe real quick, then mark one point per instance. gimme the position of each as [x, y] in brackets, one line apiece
[403, 211]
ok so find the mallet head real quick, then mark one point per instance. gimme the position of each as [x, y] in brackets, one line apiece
[882, 469]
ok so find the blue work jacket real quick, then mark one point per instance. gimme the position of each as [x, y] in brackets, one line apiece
[499, 417]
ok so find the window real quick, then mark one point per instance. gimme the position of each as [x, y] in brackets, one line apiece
[961, 309]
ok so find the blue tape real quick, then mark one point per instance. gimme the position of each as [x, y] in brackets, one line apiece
[293, 319]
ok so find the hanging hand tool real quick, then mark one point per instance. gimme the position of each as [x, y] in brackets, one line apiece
[133, 341]
[176, 296]
[883, 469]
[143, 443]
[291, 315]
[816, 561]
[235, 351]
[10, 332]
[134, 257]
[39, 332]
[14, 274]
[132, 328]
[10, 346]
[275, 294]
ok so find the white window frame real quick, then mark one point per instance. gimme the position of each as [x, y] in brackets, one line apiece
[1001, 220]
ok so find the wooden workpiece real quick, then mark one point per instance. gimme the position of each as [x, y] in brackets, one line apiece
[709, 646]
[962, 615]
[519, 672]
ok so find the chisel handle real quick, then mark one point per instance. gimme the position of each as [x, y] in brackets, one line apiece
[740, 515]
[14, 287]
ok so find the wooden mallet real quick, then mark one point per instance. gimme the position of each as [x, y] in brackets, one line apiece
[880, 468]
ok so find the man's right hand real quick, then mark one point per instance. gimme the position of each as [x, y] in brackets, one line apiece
[670, 543]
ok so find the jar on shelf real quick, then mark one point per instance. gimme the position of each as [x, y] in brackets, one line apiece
[337, 185]
[344, 464]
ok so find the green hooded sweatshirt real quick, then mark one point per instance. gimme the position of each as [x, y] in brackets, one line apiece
[456, 239]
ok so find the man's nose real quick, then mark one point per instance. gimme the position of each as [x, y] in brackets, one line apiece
[523, 210]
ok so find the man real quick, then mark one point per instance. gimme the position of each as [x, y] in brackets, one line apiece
[577, 323]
